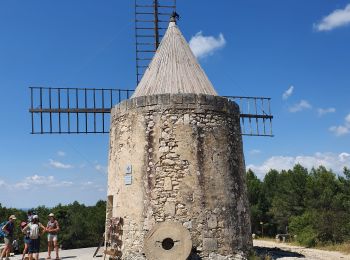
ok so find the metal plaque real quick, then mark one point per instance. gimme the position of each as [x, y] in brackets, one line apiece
[127, 179]
[128, 169]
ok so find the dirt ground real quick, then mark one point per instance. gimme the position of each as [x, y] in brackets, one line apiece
[280, 251]
[75, 254]
[284, 251]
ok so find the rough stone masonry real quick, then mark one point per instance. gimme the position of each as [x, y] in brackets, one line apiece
[177, 159]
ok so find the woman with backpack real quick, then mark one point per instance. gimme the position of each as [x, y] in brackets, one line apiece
[8, 229]
[27, 233]
[34, 235]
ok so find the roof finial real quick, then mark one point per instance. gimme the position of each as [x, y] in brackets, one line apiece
[174, 17]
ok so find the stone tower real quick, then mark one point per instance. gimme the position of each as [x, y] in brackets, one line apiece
[176, 166]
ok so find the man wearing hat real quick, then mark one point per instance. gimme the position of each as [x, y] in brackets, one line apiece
[8, 229]
[52, 228]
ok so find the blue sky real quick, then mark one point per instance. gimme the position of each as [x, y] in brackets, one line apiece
[299, 49]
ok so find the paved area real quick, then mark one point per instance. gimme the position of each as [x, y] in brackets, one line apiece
[75, 254]
[284, 251]
[275, 250]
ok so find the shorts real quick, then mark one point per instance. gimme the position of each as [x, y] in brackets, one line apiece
[34, 246]
[8, 241]
[26, 240]
[52, 237]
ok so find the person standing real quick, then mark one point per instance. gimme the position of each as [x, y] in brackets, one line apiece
[52, 228]
[15, 247]
[26, 234]
[34, 235]
[8, 229]
[30, 215]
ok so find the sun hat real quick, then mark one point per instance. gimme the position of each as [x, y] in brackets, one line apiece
[51, 215]
[13, 217]
[23, 224]
[35, 217]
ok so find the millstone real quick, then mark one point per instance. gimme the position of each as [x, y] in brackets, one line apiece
[168, 240]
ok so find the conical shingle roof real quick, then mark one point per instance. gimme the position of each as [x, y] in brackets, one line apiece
[174, 69]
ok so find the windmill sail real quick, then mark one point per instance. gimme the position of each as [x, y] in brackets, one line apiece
[87, 111]
[151, 22]
[73, 110]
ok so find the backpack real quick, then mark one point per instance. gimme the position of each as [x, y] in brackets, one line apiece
[34, 231]
[2, 233]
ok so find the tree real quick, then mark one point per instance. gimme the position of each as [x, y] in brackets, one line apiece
[290, 196]
[257, 201]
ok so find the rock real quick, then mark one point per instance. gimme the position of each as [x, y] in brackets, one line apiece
[188, 224]
[210, 244]
[165, 135]
[186, 119]
[212, 221]
[164, 149]
[169, 208]
[168, 162]
[167, 184]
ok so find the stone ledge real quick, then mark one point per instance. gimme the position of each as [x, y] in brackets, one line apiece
[178, 101]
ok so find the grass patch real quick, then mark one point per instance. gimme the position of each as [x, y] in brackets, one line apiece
[344, 247]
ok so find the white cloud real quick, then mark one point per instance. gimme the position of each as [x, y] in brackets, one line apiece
[337, 18]
[302, 105]
[101, 168]
[3, 184]
[61, 153]
[101, 189]
[339, 130]
[22, 186]
[62, 184]
[203, 46]
[91, 185]
[255, 152]
[288, 93]
[347, 120]
[336, 162]
[344, 156]
[59, 165]
[342, 129]
[34, 181]
[325, 111]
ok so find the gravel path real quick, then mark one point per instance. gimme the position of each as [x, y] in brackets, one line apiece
[280, 251]
[75, 254]
[283, 251]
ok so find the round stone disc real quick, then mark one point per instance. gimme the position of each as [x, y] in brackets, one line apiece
[168, 240]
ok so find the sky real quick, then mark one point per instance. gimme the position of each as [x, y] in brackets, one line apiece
[294, 51]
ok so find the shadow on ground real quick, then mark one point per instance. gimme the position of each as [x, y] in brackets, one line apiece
[64, 257]
[274, 253]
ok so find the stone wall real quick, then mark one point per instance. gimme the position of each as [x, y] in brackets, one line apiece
[187, 167]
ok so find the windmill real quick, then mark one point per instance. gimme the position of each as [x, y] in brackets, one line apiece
[173, 142]
[87, 110]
